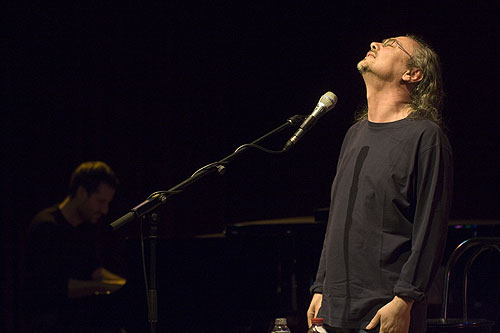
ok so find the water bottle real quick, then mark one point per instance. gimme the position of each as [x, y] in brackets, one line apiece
[317, 326]
[280, 326]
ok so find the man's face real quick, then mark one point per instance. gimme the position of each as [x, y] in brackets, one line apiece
[388, 60]
[96, 205]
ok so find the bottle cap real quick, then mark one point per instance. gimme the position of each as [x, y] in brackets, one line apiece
[317, 321]
[280, 321]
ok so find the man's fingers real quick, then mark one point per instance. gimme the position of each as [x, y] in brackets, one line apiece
[310, 315]
[374, 322]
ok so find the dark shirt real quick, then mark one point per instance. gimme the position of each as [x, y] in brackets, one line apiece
[56, 252]
[387, 226]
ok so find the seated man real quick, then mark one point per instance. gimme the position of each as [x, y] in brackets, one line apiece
[62, 266]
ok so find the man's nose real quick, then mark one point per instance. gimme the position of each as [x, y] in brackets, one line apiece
[375, 46]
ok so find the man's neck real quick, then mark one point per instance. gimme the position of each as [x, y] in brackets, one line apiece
[69, 211]
[386, 102]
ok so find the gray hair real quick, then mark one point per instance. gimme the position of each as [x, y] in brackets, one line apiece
[426, 98]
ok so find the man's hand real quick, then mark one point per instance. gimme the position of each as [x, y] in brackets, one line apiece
[312, 312]
[103, 282]
[394, 317]
[102, 273]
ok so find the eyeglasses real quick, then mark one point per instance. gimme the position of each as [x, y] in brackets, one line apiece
[391, 42]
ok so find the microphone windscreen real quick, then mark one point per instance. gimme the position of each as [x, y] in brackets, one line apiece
[329, 100]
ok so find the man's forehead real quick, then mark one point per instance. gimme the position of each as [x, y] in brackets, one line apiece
[398, 38]
[104, 189]
[406, 41]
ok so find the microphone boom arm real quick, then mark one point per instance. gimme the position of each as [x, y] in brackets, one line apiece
[158, 198]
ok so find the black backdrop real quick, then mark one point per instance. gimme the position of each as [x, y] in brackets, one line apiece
[158, 90]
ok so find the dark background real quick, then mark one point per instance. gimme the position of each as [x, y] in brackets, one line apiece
[159, 89]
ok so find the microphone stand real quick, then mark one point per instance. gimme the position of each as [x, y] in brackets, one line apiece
[145, 210]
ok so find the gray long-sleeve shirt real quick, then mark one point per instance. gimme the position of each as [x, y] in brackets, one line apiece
[388, 216]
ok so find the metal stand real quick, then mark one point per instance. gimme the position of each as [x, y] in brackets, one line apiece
[152, 222]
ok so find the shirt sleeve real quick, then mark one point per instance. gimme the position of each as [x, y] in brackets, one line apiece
[433, 192]
[317, 286]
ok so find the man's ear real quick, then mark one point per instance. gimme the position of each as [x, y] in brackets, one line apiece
[413, 75]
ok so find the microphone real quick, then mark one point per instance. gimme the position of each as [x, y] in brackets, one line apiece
[325, 104]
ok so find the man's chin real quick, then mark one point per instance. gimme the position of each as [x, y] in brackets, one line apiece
[362, 67]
